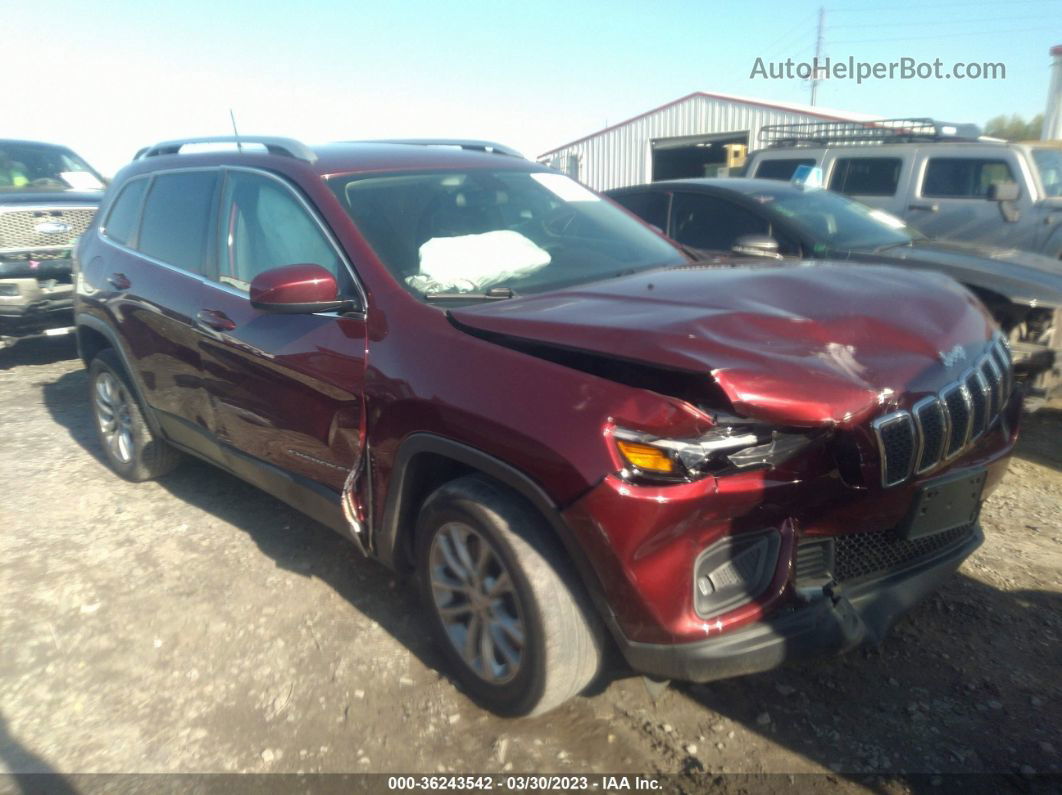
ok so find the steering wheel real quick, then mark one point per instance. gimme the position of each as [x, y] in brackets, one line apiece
[559, 221]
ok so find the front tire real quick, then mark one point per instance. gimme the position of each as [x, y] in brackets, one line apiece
[504, 606]
[130, 447]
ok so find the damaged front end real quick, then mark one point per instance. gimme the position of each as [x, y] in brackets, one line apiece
[809, 412]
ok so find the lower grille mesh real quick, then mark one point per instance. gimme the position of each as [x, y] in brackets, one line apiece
[863, 554]
[860, 554]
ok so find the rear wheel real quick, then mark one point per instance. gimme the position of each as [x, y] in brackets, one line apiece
[504, 605]
[130, 447]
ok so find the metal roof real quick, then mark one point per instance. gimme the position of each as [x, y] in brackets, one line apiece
[787, 107]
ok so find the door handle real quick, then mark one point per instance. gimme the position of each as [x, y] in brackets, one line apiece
[214, 320]
[927, 206]
[119, 281]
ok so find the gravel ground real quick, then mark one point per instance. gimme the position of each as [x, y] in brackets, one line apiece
[196, 624]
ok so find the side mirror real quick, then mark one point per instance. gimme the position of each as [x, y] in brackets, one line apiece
[297, 290]
[1003, 192]
[756, 246]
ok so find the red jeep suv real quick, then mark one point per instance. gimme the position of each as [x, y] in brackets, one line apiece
[485, 374]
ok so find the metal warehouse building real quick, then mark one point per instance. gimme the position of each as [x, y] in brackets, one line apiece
[695, 136]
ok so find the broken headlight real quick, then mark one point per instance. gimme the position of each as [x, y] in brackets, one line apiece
[725, 448]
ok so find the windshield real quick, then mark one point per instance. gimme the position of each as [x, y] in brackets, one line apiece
[30, 166]
[1049, 164]
[464, 233]
[836, 222]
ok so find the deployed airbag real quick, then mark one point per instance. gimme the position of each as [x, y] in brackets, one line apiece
[473, 263]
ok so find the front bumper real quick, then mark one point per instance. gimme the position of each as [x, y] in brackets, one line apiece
[58, 268]
[841, 619]
[38, 304]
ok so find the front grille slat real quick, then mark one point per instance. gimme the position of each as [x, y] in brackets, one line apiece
[940, 427]
[932, 427]
[977, 390]
[992, 375]
[21, 228]
[898, 443]
[957, 402]
[1002, 353]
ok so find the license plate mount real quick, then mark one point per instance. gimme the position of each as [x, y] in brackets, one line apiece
[944, 504]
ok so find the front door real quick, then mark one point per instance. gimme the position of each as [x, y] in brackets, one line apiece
[284, 389]
[952, 202]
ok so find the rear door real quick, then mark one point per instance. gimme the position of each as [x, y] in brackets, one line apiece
[284, 389]
[874, 181]
[160, 234]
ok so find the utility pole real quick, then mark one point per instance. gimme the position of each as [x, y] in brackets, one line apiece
[818, 54]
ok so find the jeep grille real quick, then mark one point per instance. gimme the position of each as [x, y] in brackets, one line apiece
[941, 426]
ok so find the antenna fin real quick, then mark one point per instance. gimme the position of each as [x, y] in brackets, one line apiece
[239, 145]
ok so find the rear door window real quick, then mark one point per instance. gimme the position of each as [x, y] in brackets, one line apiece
[963, 177]
[176, 221]
[651, 207]
[782, 169]
[125, 212]
[866, 176]
[711, 223]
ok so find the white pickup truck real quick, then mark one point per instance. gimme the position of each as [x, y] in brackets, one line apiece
[945, 180]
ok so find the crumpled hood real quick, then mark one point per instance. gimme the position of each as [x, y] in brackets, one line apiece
[1021, 276]
[798, 345]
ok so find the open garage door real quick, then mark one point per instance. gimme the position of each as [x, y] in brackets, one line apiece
[719, 154]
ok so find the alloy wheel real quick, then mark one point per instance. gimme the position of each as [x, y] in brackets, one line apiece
[477, 602]
[114, 418]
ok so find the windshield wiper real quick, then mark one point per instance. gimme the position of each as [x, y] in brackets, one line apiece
[889, 246]
[493, 294]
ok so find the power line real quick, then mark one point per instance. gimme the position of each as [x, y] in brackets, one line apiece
[924, 22]
[939, 35]
[791, 42]
[921, 7]
[788, 35]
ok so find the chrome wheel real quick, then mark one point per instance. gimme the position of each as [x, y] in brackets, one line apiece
[113, 416]
[477, 603]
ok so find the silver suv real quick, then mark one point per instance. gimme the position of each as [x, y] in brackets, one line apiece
[945, 180]
[48, 196]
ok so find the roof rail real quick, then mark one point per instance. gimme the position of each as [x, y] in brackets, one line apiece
[459, 143]
[287, 147]
[821, 133]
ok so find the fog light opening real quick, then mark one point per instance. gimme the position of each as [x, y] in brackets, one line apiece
[734, 571]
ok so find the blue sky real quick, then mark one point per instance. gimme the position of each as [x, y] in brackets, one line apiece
[109, 77]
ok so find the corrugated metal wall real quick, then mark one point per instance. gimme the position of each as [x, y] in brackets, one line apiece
[621, 156]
